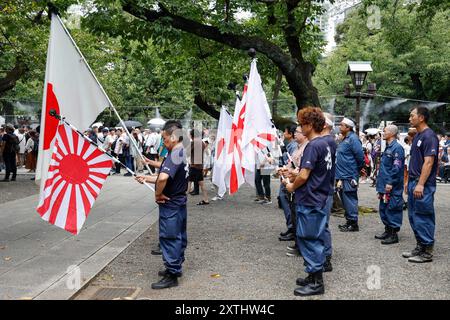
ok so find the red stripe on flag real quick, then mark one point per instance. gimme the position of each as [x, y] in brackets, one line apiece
[98, 174]
[86, 203]
[71, 220]
[233, 179]
[57, 204]
[103, 164]
[46, 205]
[220, 146]
[96, 153]
[51, 123]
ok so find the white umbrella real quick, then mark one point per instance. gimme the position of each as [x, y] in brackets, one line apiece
[372, 131]
[156, 121]
[97, 124]
[2, 120]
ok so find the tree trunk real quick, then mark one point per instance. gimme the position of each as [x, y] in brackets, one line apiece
[9, 81]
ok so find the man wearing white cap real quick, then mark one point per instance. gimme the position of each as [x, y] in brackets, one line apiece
[349, 162]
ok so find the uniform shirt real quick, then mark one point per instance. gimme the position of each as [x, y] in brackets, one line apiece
[349, 157]
[317, 158]
[425, 144]
[8, 139]
[291, 147]
[175, 165]
[391, 168]
[333, 146]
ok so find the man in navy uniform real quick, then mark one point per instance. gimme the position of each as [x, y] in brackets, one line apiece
[170, 194]
[390, 186]
[328, 136]
[422, 186]
[312, 187]
[349, 162]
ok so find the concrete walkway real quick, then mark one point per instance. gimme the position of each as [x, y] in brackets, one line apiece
[233, 253]
[37, 259]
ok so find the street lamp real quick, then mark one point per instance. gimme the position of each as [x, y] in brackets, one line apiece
[358, 72]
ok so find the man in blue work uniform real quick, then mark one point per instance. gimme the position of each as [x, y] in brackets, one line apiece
[349, 162]
[312, 187]
[390, 186]
[291, 147]
[328, 136]
[422, 186]
[170, 194]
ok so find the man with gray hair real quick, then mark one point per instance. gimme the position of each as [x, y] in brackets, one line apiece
[390, 186]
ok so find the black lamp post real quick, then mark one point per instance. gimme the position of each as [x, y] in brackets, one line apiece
[358, 72]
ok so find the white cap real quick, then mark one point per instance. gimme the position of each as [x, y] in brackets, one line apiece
[329, 122]
[348, 122]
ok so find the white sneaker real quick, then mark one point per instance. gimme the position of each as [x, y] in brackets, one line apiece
[217, 198]
[267, 202]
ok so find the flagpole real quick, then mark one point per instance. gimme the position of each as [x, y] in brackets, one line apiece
[53, 113]
[103, 91]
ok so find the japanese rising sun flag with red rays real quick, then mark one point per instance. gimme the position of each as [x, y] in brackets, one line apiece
[76, 175]
[71, 89]
[259, 131]
[220, 172]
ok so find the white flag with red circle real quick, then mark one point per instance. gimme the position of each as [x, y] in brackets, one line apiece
[75, 177]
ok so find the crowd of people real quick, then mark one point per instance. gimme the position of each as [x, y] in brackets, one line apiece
[317, 168]
[19, 148]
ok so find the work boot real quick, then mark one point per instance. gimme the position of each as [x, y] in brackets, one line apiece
[347, 223]
[351, 226]
[391, 238]
[312, 288]
[304, 281]
[285, 233]
[425, 255]
[382, 236]
[413, 253]
[164, 272]
[169, 280]
[327, 266]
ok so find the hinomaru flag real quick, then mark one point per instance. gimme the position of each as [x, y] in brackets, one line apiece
[70, 89]
[220, 170]
[259, 131]
[75, 177]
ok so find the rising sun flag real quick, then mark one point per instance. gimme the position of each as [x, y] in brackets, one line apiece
[76, 175]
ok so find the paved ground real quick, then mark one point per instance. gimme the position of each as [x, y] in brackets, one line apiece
[19, 189]
[234, 253]
[35, 256]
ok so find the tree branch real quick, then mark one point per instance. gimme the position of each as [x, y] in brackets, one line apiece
[9, 81]
[203, 104]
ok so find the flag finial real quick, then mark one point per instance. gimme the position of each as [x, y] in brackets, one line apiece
[252, 53]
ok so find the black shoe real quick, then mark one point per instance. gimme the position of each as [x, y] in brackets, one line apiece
[312, 288]
[413, 253]
[164, 272]
[425, 255]
[127, 174]
[283, 234]
[327, 266]
[169, 280]
[382, 236]
[353, 227]
[13, 179]
[288, 237]
[304, 281]
[194, 193]
[391, 238]
[156, 252]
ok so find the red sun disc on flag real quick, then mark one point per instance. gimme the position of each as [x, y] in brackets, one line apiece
[77, 172]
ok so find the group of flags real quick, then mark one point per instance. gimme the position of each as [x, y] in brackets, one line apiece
[72, 171]
[241, 138]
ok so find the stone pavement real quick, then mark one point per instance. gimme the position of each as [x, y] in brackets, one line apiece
[234, 253]
[36, 258]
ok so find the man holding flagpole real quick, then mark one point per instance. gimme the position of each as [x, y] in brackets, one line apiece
[170, 194]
